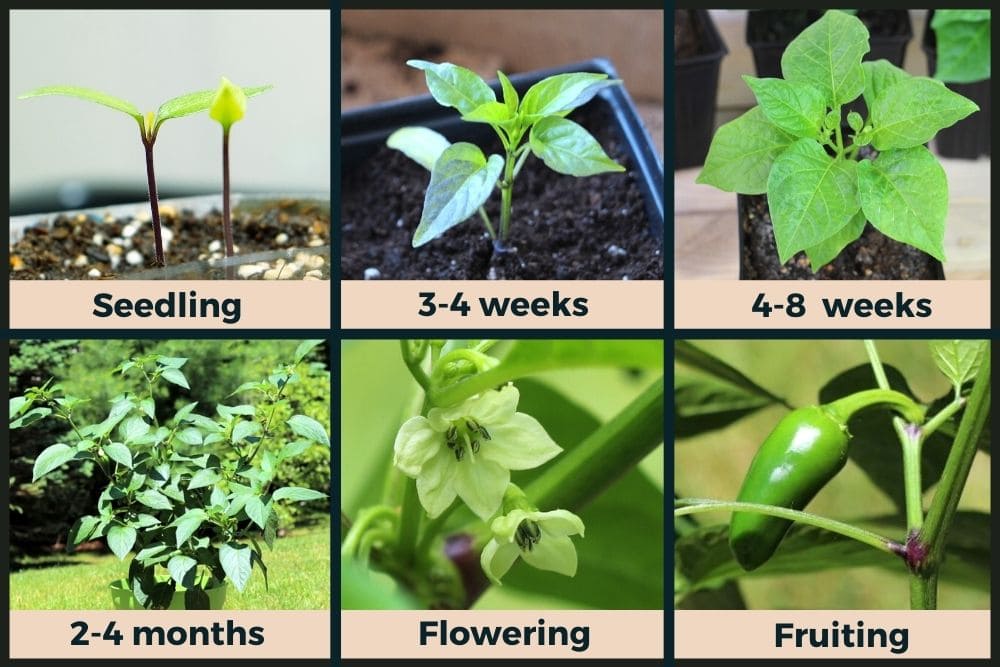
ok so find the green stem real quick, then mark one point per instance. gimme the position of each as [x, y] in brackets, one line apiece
[840, 139]
[506, 196]
[581, 474]
[366, 518]
[876, 363]
[912, 444]
[696, 505]
[844, 408]
[946, 413]
[415, 366]
[432, 529]
[486, 221]
[521, 160]
[409, 523]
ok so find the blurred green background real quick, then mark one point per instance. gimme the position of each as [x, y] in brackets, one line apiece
[41, 513]
[378, 394]
[712, 465]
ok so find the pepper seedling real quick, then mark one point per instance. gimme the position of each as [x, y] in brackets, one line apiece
[792, 147]
[463, 178]
[228, 106]
[149, 128]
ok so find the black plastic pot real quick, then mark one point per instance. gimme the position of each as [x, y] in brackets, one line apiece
[697, 79]
[363, 131]
[742, 201]
[767, 54]
[970, 137]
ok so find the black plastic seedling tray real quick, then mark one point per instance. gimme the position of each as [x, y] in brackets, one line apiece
[364, 130]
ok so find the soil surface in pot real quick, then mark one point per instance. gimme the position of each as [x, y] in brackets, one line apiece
[561, 228]
[689, 38]
[79, 246]
[874, 256]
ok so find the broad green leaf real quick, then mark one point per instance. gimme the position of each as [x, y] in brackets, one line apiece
[461, 181]
[119, 409]
[569, 149]
[527, 357]
[30, 417]
[492, 113]
[828, 55]
[454, 86]
[295, 448]
[154, 499]
[305, 347]
[218, 497]
[51, 458]
[121, 539]
[904, 193]
[171, 362]
[185, 105]
[145, 521]
[510, 97]
[963, 45]
[796, 108]
[879, 75]
[148, 407]
[826, 251]
[811, 196]
[185, 411]
[958, 360]
[118, 452]
[182, 569]
[561, 93]
[258, 511]
[297, 494]
[89, 95]
[243, 429]
[235, 560]
[702, 405]
[82, 530]
[309, 428]
[133, 428]
[174, 376]
[742, 153]
[150, 553]
[188, 523]
[203, 478]
[690, 355]
[17, 404]
[911, 111]
[190, 436]
[231, 411]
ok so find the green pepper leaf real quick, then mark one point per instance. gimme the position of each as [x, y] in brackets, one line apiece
[827, 55]
[51, 458]
[569, 149]
[420, 144]
[461, 181]
[879, 75]
[958, 360]
[119, 453]
[911, 111]
[121, 538]
[454, 86]
[904, 193]
[826, 251]
[182, 570]
[296, 493]
[796, 108]
[963, 45]
[561, 93]
[188, 523]
[235, 560]
[742, 153]
[510, 97]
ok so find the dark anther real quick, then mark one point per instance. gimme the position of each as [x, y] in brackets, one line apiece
[459, 453]
[475, 446]
[527, 535]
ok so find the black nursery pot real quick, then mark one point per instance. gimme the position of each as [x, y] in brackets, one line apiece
[970, 137]
[872, 257]
[364, 133]
[697, 79]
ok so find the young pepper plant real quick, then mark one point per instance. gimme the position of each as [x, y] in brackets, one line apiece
[149, 128]
[809, 447]
[962, 38]
[794, 147]
[187, 492]
[463, 177]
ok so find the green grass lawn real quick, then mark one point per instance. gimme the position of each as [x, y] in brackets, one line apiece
[298, 574]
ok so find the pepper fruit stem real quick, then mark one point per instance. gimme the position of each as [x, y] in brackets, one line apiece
[844, 408]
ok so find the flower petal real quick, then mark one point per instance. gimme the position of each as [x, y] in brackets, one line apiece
[493, 406]
[556, 554]
[436, 483]
[497, 559]
[416, 442]
[559, 523]
[520, 443]
[505, 526]
[481, 485]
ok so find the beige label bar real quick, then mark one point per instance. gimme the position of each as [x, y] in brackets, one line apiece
[184, 634]
[754, 634]
[869, 304]
[524, 304]
[515, 634]
[194, 304]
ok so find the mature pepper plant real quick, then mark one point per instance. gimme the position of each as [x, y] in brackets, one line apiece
[463, 178]
[809, 446]
[823, 180]
[149, 128]
[189, 494]
[459, 522]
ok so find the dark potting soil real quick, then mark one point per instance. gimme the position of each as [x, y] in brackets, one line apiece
[78, 246]
[561, 228]
[689, 39]
[874, 256]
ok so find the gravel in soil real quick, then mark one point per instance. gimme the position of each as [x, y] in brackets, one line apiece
[562, 227]
[80, 246]
[874, 256]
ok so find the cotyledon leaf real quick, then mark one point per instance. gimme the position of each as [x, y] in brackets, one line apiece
[422, 145]
[742, 153]
[904, 193]
[811, 197]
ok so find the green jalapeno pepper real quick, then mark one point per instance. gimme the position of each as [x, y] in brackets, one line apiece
[806, 449]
